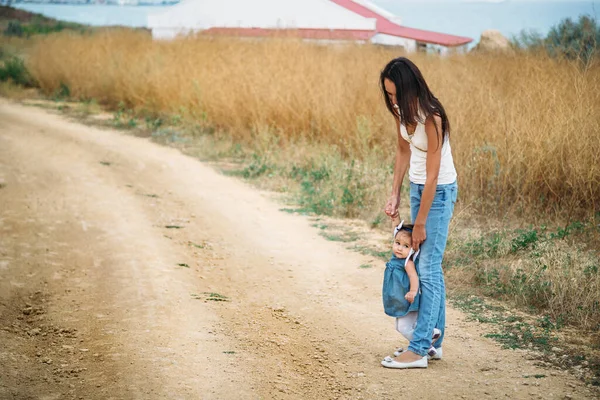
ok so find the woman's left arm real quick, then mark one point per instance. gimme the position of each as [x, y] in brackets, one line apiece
[434, 158]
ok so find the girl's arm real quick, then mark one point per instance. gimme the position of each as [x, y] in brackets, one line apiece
[434, 159]
[400, 167]
[411, 271]
[395, 221]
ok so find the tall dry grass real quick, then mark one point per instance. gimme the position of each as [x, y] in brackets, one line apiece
[526, 128]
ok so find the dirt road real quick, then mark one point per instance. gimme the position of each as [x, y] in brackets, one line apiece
[131, 271]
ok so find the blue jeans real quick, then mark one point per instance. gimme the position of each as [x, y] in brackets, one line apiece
[432, 310]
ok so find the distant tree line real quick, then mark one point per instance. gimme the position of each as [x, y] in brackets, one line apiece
[570, 39]
[14, 22]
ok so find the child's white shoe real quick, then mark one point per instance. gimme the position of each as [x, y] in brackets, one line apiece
[436, 335]
[436, 356]
[431, 352]
[399, 351]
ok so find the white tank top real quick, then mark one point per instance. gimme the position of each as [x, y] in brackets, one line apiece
[417, 172]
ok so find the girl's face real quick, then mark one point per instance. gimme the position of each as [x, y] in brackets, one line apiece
[390, 90]
[402, 243]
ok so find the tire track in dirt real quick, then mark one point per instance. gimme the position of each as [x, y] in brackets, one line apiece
[301, 319]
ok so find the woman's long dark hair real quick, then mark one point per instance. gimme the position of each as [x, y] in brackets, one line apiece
[411, 86]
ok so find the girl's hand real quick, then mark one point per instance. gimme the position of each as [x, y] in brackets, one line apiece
[410, 296]
[418, 236]
[391, 207]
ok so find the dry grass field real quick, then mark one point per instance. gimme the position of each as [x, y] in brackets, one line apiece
[309, 120]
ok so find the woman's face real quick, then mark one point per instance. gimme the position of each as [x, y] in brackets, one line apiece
[390, 90]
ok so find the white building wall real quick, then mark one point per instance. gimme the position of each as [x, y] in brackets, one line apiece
[409, 45]
[169, 33]
[196, 15]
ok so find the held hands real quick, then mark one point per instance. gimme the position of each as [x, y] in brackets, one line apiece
[410, 296]
[418, 233]
[391, 207]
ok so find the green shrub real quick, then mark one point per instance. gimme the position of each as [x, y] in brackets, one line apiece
[40, 26]
[14, 28]
[574, 39]
[14, 69]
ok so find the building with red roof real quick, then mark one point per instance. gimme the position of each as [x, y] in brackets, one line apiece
[321, 20]
[391, 32]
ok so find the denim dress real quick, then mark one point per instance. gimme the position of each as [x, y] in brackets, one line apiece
[395, 286]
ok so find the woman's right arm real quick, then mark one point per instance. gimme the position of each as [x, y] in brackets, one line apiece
[400, 167]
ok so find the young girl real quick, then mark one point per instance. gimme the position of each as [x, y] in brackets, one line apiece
[400, 291]
[423, 145]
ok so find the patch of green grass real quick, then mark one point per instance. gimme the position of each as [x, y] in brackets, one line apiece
[513, 318]
[183, 265]
[315, 199]
[478, 310]
[320, 226]
[256, 168]
[536, 376]
[173, 227]
[331, 185]
[520, 335]
[209, 296]
[152, 123]
[524, 266]
[575, 227]
[290, 210]
[369, 251]
[548, 323]
[63, 92]
[124, 118]
[229, 352]
[154, 196]
[526, 238]
[105, 163]
[341, 237]
[365, 266]
[511, 331]
[487, 246]
[199, 246]
[499, 244]
[514, 333]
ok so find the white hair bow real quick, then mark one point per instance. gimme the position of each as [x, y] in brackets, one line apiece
[411, 253]
[397, 229]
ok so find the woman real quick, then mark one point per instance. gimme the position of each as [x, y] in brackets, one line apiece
[423, 149]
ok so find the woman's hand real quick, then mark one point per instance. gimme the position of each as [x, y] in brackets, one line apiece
[418, 236]
[391, 207]
[410, 296]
